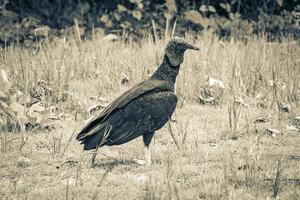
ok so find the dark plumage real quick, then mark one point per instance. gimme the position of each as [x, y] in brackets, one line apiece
[141, 110]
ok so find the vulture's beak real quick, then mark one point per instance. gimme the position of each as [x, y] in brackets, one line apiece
[190, 46]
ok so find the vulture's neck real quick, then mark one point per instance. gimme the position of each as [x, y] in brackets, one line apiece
[166, 72]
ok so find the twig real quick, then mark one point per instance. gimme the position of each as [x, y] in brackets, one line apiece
[77, 31]
[67, 145]
[185, 133]
[174, 28]
[173, 136]
[103, 140]
[276, 185]
[154, 31]
[67, 162]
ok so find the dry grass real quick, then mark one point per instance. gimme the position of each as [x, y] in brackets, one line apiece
[96, 67]
[205, 164]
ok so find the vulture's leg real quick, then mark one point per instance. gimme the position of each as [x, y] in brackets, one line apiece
[147, 140]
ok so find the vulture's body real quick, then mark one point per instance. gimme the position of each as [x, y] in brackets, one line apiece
[140, 111]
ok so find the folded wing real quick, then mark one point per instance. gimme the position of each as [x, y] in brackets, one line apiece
[98, 123]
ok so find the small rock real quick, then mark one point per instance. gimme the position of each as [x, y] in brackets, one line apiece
[124, 81]
[16, 95]
[23, 162]
[295, 121]
[273, 132]
[4, 82]
[214, 82]
[261, 120]
[240, 101]
[19, 111]
[140, 162]
[142, 178]
[285, 108]
[111, 37]
[3, 97]
[297, 118]
[36, 113]
[292, 128]
[24, 99]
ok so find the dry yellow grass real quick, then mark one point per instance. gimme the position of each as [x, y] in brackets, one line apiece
[209, 164]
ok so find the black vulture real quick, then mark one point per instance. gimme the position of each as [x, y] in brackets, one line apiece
[141, 110]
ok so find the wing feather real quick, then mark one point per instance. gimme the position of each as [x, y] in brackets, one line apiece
[140, 89]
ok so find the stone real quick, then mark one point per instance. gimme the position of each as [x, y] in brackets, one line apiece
[215, 82]
[273, 132]
[261, 119]
[19, 111]
[23, 162]
[3, 96]
[111, 37]
[4, 82]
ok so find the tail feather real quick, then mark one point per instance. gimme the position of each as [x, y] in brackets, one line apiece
[92, 137]
[91, 142]
[89, 132]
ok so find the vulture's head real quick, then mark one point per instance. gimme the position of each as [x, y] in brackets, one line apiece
[175, 50]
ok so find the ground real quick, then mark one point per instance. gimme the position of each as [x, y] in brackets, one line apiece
[206, 163]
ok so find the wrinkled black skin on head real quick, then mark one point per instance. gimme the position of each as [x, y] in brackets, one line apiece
[175, 50]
